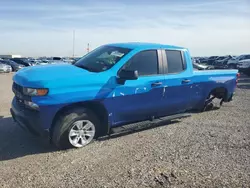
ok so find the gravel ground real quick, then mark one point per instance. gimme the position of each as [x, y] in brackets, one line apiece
[210, 149]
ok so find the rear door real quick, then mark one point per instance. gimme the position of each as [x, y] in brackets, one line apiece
[178, 82]
[140, 99]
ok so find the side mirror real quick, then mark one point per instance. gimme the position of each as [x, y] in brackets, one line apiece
[128, 75]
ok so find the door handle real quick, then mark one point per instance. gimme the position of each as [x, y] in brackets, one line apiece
[156, 84]
[185, 81]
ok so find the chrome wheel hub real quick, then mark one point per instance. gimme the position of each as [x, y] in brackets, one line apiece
[81, 133]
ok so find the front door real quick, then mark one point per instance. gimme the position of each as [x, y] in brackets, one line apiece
[140, 99]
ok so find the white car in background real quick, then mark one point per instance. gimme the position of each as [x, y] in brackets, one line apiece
[233, 63]
[198, 66]
[5, 68]
[44, 62]
[68, 60]
[51, 60]
[244, 63]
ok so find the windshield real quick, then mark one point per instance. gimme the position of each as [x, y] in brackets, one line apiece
[220, 58]
[101, 59]
[239, 57]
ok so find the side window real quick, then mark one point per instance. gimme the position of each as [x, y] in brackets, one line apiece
[242, 58]
[175, 62]
[145, 62]
[247, 57]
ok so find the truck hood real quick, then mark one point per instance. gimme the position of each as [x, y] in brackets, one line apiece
[51, 76]
[232, 61]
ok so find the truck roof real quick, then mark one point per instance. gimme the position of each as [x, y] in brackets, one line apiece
[134, 45]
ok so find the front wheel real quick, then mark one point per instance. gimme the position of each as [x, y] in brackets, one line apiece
[81, 133]
[75, 129]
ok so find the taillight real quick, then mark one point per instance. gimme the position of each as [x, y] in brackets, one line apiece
[237, 77]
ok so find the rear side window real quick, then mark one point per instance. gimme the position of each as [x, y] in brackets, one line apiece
[145, 62]
[174, 60]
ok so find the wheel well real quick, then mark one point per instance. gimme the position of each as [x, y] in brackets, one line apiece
[220, 93]
[96, 107]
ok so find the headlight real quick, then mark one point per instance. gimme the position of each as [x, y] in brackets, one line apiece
[35, 92]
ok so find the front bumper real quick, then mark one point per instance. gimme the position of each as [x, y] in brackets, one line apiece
[4, 70]
[27, 119]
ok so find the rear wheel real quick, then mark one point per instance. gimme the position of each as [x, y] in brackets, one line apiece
[75, 129]
[212, 103]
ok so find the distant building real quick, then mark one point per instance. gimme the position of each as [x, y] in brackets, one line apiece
[10, 56]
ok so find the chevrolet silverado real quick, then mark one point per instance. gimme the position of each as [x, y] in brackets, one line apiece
[112, 86]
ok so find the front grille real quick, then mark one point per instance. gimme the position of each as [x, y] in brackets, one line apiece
[18, 88]
[20, 97]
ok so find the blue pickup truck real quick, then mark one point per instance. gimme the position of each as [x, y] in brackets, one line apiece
[112, 86]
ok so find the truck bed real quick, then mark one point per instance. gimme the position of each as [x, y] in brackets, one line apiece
[215, 72]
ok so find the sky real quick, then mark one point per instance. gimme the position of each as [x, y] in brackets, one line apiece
[45, 27]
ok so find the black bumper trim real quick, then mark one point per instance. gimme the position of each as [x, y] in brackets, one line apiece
[28, 120]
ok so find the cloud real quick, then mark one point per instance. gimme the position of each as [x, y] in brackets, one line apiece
[38, 28]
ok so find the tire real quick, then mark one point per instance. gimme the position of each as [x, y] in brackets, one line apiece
[68, 122]
[214, 104]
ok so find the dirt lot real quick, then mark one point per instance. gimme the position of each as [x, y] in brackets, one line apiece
[210, 149]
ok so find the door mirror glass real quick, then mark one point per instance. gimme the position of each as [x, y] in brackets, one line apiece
[128, 74]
